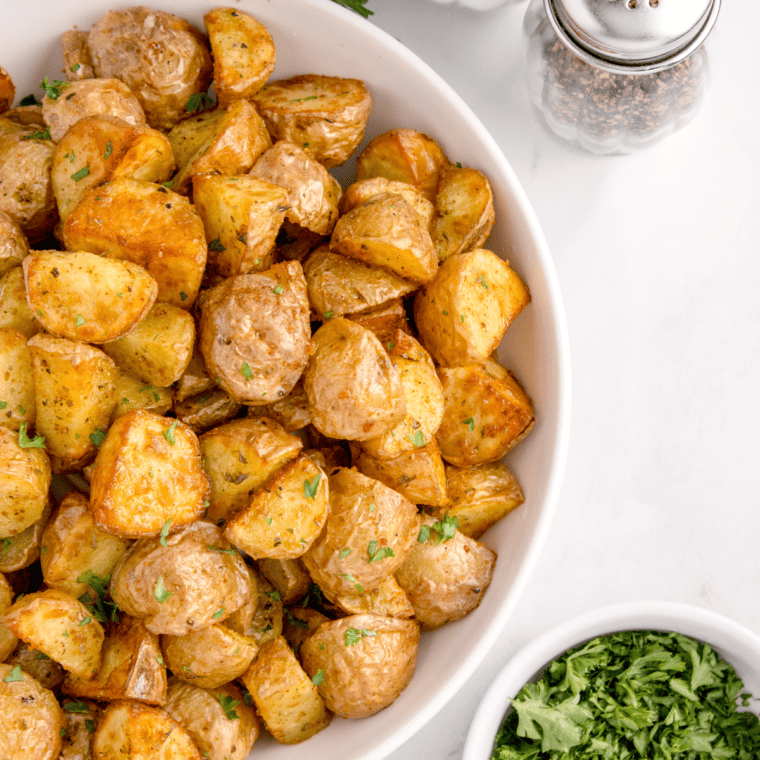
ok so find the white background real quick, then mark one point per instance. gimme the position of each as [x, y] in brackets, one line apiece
[658, 257]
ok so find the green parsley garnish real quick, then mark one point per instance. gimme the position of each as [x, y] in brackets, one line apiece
[356, 5]
[159, 659]
[165, 532]
[44, 135]
[418, 439]
[355, 635]
[310, 489]
[218, 613]
[470, 422]
[318, 677]
[86, 620]
[150, 388]
[216, 245]
[228, 705]
[97, 437]
[160, 591]
[375, 554]
[81, 174]
[278, 290]
[247, 374]
[80, 320]
[199, 102]
[52, 89]
[29, 100]
[76, 707]
[38, 442]
[328, 314]
[75, 67]
[483, 282]
[344, 553]
[231, 552]
[183, 295]
[14, 675]
[3, 404]
[169, 433]
[109, 150]
[90, 726]
[274, 595]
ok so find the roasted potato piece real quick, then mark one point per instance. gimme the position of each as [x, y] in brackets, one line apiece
[77, 61]
[7, 640]
[338, 285]
[384, 320]
[16, 385]
[241, 456]
[131, 667]
[242, 216]
[195, 379]
[24, 548]
[14, 309]
[462, 315]
[148, 225]
[369, 532]
[289, 577]
[192, 133]
[326, 114]
[312, 192]
[388, 600]
[82, 296]
[74, 394]
[284, 695]
[7, 90]
[178, 68]
[299, 623]
[222, 725]
[464, 213]
[359, 192]
[159, 348]
[284, 516]
[211, 657]
[73, 545]
[255, 333]
[405, 155]
[130, 730]
[31, 720]
[366, 661]
[59, 626]
[385, 231]
[261, 619]
[243, 53]
[81, 719]
[133, 393]
[24, 482]
[148, 475]
[13, 245]
[179, 587]
[207, 410]
[354, 390]
[486, 413]
[445, 574]
[291, 411]
[39, 666]
[295, 243]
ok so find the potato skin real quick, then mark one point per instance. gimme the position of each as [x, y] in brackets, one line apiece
[77, 61]
[25, 548]
[16, 384]
[13, 245]
[362, 678]
[7, 640]
[14, 309]
[46, 672]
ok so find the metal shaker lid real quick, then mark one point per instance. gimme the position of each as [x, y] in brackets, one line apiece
[643, 35]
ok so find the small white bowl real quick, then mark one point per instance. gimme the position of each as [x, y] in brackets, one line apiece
[737, 645]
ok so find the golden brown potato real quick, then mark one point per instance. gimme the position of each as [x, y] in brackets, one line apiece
[147, 224]
[39, 666]
[359, 192]
[24, 481]
[207, 410]
[7, 640]
[369, 532]
[255, 333]
[211, 657]
[388, 600]
[384, 320]
[354, 390]
[14, 309]
[487, 412]
[190, 134]
[131, 667]
[285, 515]
[77, 61]
[16, 385]
[73, 545]
[59, 626]
[82, 296]
[130, 730]
[326, 114]
[179, 587]
[285, 697]
[289, 577]
[7, 90]
[243, 53]
[133, 393]
[148, 477]
[81, 719]
[222, 725]
[13, 245]
[312, 192]
[159, 348]
[462, 315]
[242, 216]
[261, 618]
[294, 243]
[24, 548]
[28, 118]
[366, 661]
[291, 411]
[178, 68]
[31, 720]
[195, 379]
[241, 456]
[405, 155]
[74, 394]
[445, 574]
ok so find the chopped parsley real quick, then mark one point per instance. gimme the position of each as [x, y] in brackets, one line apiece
[77, 707]
[228, 705]
[247, 374]
[231, 552]
[81, 174]
[216, 245]
[199, 102]
[14, 675]
[165, 532]
[278, 290]
[375, 554]
[169, 433]
[344, 553]
[52, 89]
[75, 68]
[470, 422]
[356, 5]
[218, 613]
[318, 677]
[418, 439]
[160, 591]
[109, 150]
[38, 442]
[328, 314]
[310, 490]
[43, 135]
[355, 635]
[97, 437]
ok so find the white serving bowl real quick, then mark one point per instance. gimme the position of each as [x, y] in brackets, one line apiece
[737, 645]
[318, 36]
[480, 5]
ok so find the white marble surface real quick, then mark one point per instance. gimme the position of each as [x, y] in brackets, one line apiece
[658, 256]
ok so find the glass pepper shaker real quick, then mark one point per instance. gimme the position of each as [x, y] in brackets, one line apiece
[614, 76]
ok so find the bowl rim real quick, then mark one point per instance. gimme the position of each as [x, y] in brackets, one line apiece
[688, 619]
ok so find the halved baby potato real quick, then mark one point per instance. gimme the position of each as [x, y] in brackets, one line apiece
[133, 393]
[25, 548]
[14, 309]
[17, 405]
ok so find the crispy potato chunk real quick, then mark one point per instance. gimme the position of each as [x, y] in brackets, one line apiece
[179, 587]
[47, 672]
[207, 409]
[130, 730]
[16, 384]
[25, 548]
[285, 516]
[82, 296]
[326, 114]
[360, 192]
[148, 473]
[299, 623]
[73, 545]
[366, 662]
[77, 61]
[131, 667]
[7, 90]
[255, 333]
[147, 224]
[222, 725]
[133, 393]
[13, 245]
[289, 577]
[59, 626]
[487, 412]
[369, 532]
[242, 216]
[81, 719]
[384, 320]
[31, 720]
[291, 411]
[195, 379]
[211, 657]
[24, 482]
[74, 394]
[445, 574]
[261, 618]
[285, 697]
[7, 640]
[179, 65]
[463, 314]
[388, 600]
[354, 390]
[14, 309]
[241, 456]
[192, 133]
